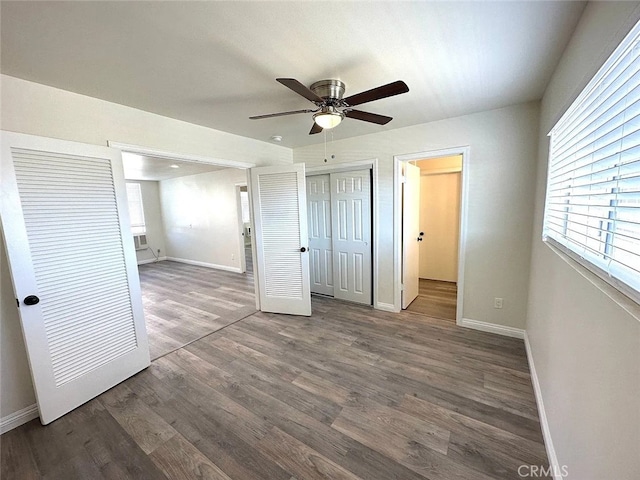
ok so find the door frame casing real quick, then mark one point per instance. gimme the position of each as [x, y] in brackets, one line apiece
[242, 257]
[371, 164]
[398, 160]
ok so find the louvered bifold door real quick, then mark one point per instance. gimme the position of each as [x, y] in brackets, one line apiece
[280, 225]
[73, 265]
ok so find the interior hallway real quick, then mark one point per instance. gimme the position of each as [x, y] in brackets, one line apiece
[436, 299]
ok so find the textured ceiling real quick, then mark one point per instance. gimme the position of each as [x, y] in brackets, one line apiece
[215, 63]
[144, 167]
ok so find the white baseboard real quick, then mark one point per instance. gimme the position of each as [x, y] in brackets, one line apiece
[151, 260]
[385, 307]
[492, 328]
[542, 414]
[18, 418]
[205, 264]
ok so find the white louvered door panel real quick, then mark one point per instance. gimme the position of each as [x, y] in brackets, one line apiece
[320, 250]
[69, 243]
[351, 242]
[280, 224]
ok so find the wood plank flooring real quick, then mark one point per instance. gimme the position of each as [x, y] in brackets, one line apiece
[183, 303]
[436, 299]
[348, 393]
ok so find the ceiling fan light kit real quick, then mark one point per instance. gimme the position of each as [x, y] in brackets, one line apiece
[328, 117]
[327, 95]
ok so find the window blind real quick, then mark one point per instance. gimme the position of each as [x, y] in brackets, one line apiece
[244, 204]
[136, 210]
[593, 186]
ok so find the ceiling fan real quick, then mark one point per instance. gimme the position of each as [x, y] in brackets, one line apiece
[332, 107]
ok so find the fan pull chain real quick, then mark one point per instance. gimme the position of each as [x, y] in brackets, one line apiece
[325, 145]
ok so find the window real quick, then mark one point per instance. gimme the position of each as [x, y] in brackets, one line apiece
[592, 207]
[136, 211]
[244, 203]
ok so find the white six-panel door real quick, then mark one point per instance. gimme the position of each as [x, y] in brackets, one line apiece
[73, 265]
[281, 239]
[351, 234]
[320, 249]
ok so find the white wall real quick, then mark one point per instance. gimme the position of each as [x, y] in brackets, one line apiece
[502, 165]
[585, 347]
[29, 107]
[16, 390]
[440, 222]
[200, 215]
[152, 219]
[35, 109]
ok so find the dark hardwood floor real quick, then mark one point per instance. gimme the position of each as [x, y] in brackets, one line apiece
[436, 299]
[183, 303]
[347, 393]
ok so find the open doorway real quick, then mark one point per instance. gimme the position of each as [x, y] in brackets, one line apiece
[430, 231]
[439, 210]
[189, 246]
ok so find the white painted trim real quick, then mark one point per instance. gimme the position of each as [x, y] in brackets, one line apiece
[440, 171]
[385, 307]
[151, 260]
[492, 328]
[205, 264]
[465, 151]
[340, 167]
[254, 248]
[371, 164]
[376, 229]
[241, 254]
[542, 414]
[151, 152]
[18, 418]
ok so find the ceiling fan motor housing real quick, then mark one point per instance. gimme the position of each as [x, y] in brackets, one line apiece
[328, 89]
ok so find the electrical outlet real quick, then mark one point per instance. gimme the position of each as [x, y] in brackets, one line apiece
[158, 252]
[497, 302]
[233, 256]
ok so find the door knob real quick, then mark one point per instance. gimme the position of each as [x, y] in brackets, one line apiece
[419, 239]
[31, 300]
[303, 249]
[421, 234]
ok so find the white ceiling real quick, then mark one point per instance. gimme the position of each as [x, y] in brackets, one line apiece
[215, 63]
[145, 167]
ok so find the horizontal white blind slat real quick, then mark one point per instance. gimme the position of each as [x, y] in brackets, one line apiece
[136, 210]
[593, 184]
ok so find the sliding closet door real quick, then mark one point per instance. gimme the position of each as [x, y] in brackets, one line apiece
[351, 232]
[320, 248]
[72, 261]
[281, 239]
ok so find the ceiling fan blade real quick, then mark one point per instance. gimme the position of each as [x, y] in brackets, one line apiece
[315, 129]
[368, 117]
[389, 90]
[270, 115]
[300, 89]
